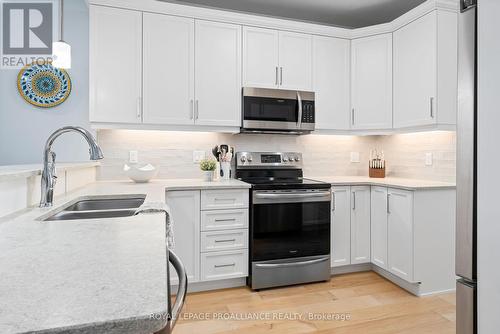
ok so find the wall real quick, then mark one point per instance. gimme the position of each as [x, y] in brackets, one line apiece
[488, 160]
[24, 128]
[405, 155]
[322, 154]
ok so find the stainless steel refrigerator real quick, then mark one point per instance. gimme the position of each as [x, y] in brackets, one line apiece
[466, 248]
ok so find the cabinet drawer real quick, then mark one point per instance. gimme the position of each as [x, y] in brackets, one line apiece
[224, 240]
[224, 219]
[224, 199]
[225, 264]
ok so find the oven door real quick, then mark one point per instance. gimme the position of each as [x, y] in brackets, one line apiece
[290, 223]
[270, 113]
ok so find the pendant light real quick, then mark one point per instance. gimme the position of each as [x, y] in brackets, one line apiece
[61, 51]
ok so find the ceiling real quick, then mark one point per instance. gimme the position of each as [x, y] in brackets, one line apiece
[343, 13]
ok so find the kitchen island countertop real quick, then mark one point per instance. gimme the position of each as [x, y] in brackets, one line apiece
[88, 276]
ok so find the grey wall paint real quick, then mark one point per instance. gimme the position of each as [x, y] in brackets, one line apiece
[24, 128]
[343, 13]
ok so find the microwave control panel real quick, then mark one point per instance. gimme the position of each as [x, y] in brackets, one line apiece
[308, 112]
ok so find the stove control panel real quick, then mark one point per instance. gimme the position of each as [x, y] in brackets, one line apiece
[268, 159]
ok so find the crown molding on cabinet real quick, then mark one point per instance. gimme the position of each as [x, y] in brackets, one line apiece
[156, 6]
[410, 16]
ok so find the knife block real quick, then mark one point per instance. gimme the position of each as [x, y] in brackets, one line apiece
[377, 172]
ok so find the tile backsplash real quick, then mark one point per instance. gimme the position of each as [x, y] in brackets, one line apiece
[322, 154]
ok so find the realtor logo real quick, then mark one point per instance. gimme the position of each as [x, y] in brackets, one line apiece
[27, 33]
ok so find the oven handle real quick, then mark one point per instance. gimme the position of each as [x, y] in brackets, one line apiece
[291, 264]
[325, 195]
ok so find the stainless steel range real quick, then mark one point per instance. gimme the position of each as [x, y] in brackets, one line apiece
[289, 220]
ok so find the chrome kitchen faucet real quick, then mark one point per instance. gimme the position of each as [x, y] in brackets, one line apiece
[49, 161]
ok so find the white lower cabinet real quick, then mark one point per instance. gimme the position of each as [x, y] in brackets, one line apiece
[214, 220]
[224, 240]
[360, 224]
[224, 199]
[407, 235]
[185, 211]
[224, 265]
[379, 226]
[212, 243]
[341, 226]
[392, 231]
[400, 233]
[350, 230]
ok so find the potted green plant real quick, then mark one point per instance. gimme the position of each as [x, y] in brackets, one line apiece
[208, 167]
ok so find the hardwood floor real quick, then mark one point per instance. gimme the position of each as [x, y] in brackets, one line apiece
[372, 304]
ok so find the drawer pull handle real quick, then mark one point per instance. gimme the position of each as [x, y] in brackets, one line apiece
[225, 240]
[224, 265]
[225, 220]
[225, 199]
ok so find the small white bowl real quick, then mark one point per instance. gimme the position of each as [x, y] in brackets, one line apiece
[140, 173]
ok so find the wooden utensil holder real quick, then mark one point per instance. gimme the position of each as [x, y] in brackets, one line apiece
[377, 172]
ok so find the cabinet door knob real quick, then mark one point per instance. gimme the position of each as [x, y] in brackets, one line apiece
[191, 109]
[388, 203]
[431, 102]
[139, 108]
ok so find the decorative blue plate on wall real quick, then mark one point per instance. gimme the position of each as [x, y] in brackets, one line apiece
[44, 85]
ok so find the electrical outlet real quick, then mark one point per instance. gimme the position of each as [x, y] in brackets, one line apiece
[355, 157]
[133, 157]
[428, 159]
[198, 156]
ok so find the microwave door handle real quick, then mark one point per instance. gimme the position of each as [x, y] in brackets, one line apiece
[299, 120]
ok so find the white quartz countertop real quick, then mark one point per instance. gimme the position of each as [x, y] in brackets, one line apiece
[192, 184]
[395, 182]
[88, 276]
[15, 171]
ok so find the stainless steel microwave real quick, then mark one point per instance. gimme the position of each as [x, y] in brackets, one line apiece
[277, 111]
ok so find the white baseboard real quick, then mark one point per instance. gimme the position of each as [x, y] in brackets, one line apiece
[351, 268]
[413, 288]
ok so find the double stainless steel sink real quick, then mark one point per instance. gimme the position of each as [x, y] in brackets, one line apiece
[95, 207]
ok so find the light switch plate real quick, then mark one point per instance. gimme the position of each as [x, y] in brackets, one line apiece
[198, 156]
[355, 157]
[428, 159]
[133, 157]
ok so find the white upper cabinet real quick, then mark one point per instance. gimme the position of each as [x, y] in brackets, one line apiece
[218, 73]
[400, 233]
[425, 74]
[360, 224]
[379, 226]
[415, 72]
[295, 60]
[371, 82]
[115, 65]
[260, 57]
[331, 82]
[340, 247]
[276, 59]
[168, 81]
